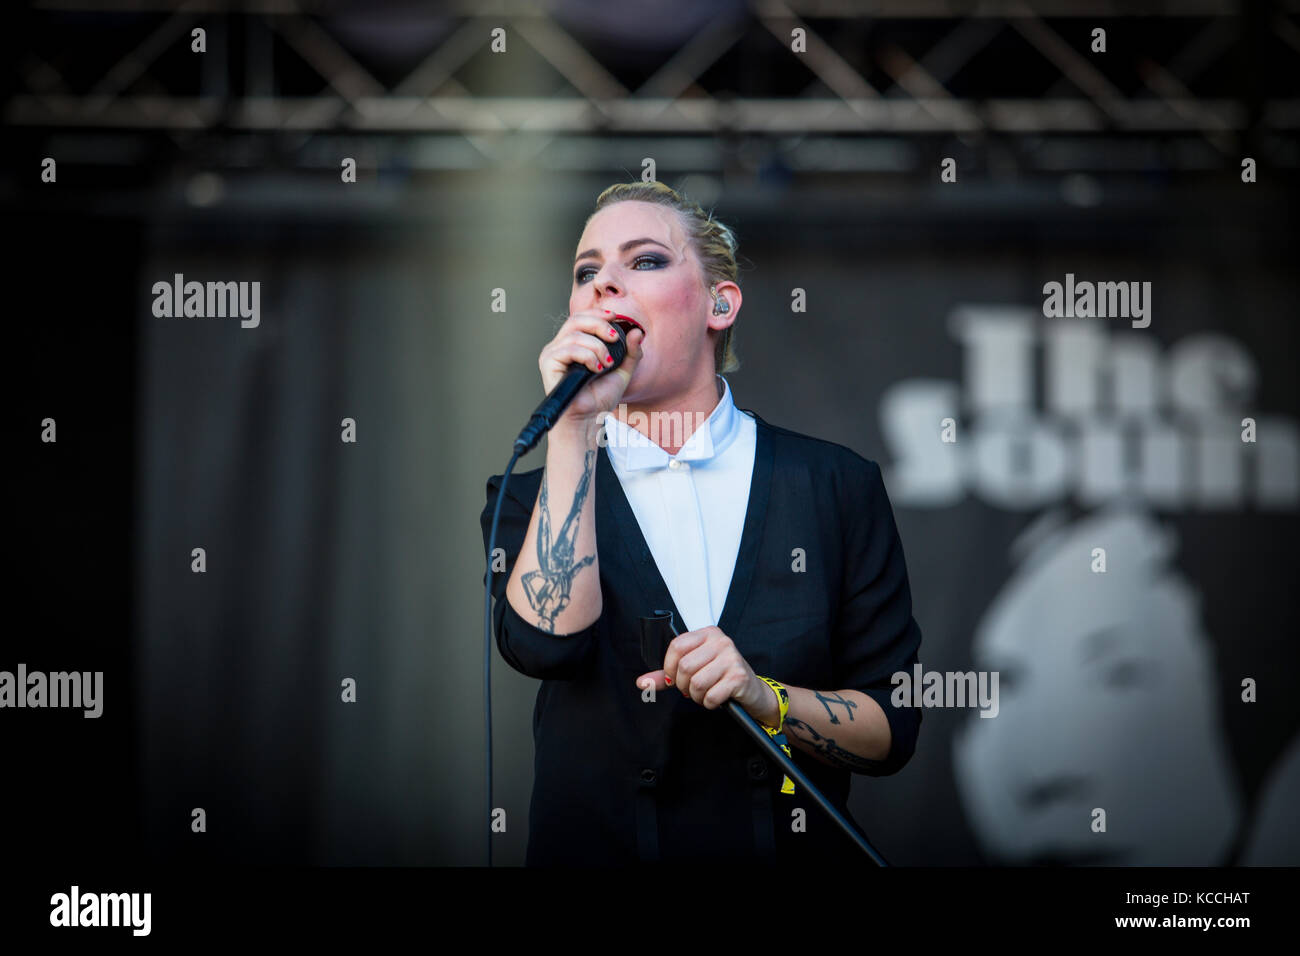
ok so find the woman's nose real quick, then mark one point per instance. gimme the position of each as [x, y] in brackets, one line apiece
[604, 282]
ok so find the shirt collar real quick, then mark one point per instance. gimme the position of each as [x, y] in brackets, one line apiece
[631, 450]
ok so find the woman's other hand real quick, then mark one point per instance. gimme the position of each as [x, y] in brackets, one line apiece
[706, 667]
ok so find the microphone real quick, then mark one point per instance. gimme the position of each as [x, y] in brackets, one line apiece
[554, 404]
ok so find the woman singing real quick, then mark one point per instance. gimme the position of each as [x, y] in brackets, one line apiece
[776, 552]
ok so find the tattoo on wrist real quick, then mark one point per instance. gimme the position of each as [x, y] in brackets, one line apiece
[827, 747]
[834, 698]
[548, 587]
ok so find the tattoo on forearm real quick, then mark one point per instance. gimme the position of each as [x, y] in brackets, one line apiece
[834, 698]
[548, 587]
[827, 747]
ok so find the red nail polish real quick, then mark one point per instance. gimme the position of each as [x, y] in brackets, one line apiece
[668, 680]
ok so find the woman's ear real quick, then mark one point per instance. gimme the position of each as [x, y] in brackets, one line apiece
[725, 303]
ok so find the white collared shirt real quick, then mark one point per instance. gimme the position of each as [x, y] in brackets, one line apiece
[691, 506]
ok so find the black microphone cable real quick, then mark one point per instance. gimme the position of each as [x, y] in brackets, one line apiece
[542, 420]
[487, 644]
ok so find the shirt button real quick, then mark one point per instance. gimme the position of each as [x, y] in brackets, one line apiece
[648, 776]
[674, 464]
[757, 768]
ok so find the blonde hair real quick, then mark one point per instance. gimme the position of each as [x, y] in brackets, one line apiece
[714, 244]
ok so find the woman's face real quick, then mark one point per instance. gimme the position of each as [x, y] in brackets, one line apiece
[636, 259]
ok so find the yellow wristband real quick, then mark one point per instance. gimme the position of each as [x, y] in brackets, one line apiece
[783, 699]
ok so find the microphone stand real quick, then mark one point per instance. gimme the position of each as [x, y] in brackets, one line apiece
[656, 632]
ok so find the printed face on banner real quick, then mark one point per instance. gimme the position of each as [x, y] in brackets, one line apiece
[1108, 701]
[1109, 745]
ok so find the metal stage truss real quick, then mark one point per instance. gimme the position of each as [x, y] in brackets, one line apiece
[1220, 74]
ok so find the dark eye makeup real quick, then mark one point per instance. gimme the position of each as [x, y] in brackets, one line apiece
[654, 262]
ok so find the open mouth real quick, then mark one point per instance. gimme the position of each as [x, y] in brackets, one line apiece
[628, 323]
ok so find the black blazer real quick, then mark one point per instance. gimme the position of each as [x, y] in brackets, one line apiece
[619, 780]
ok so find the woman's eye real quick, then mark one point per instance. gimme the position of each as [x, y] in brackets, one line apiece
[639, 263]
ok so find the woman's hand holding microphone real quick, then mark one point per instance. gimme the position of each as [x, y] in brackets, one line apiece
[584, 339]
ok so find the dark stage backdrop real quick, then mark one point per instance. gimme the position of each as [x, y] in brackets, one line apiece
[1013, 446]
